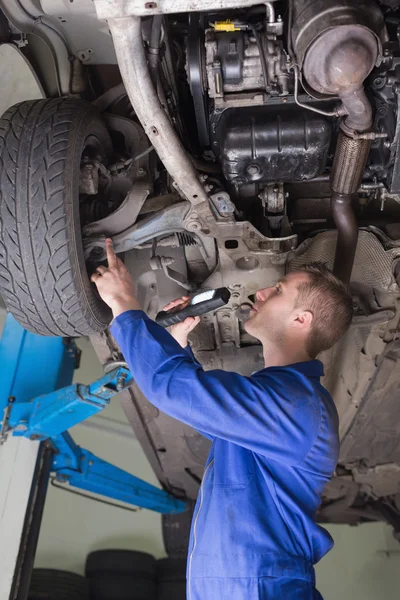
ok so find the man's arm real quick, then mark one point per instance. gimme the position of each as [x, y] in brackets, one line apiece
[265, 415]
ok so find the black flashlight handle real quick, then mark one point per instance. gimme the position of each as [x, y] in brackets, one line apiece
[176, 315]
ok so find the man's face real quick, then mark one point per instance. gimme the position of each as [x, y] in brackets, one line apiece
[273, 313]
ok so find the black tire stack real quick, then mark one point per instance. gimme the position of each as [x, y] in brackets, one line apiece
[52, 584]
[121, 575]
[171, 579]
[114, 575]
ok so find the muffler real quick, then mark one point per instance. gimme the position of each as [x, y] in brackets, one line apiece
[337, 43]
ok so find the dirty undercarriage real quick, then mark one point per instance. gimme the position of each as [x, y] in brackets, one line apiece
[247, 142]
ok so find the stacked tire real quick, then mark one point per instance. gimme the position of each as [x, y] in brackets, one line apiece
[121, 575]
[53, 584]
[171, 579]
[130, 575]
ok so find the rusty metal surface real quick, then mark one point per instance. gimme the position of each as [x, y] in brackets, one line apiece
[372, 264]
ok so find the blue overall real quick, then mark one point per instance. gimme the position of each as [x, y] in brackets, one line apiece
[275, 446]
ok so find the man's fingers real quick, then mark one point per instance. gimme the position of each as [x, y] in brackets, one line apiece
[111, 256]
[176, 302]
[101, 269]
[95, 277]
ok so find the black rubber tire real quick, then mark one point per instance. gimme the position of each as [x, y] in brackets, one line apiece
[171, 569]
[52, 584]
[43, 277]
[124, 562]
[168, 590]
[176, 531]
[118, 586]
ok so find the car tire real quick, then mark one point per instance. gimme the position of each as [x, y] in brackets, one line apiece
[171, 578]
[125, 562]
[118, 586]
[167, 590]
[176, 531]
[171, 569]
[52, 584]
[43, 276]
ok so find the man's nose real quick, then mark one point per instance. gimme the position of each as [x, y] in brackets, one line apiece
[263, 294]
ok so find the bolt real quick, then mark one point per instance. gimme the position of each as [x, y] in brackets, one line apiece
[253, 169]
[226, 316]
[193, 226]
[121, 382]
[284, 100]
[90, 463]
[227, 329]
[279, 19]
[235, 295]
[21, 428]
[141, 172]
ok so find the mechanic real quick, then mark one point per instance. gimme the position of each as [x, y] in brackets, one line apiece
[275, 434]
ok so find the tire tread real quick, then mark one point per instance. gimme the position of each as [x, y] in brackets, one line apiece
[37, 280]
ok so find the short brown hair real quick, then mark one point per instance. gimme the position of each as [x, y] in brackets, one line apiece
[331, 304]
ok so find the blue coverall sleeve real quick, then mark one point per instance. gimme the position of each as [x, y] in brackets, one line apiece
[189, 350]
[274, 413]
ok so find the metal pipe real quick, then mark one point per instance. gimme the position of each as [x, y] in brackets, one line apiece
[347, 171]
[346, 223]
[270, 12]
[128, 43]
[358, 109]
[154, 48]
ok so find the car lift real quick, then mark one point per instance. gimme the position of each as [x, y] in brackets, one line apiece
[39, 403]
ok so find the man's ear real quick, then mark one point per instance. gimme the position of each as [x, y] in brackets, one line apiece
[303, 319]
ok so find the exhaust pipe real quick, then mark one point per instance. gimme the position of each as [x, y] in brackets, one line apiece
[347, 171]
[335, 61]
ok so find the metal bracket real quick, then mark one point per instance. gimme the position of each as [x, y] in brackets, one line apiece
[163, 223]
[81, 469]
[48, 416]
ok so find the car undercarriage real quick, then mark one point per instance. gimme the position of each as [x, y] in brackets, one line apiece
[218, 144]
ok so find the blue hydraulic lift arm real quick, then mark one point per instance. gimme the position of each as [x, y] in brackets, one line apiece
[37, 401]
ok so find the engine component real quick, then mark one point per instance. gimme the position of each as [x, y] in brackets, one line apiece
[273, 198]
[260, 146]
[243, 59]
[195, 68]
[337, 46]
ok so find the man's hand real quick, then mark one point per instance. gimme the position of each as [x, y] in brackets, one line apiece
[180, 331]
[115, 285]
